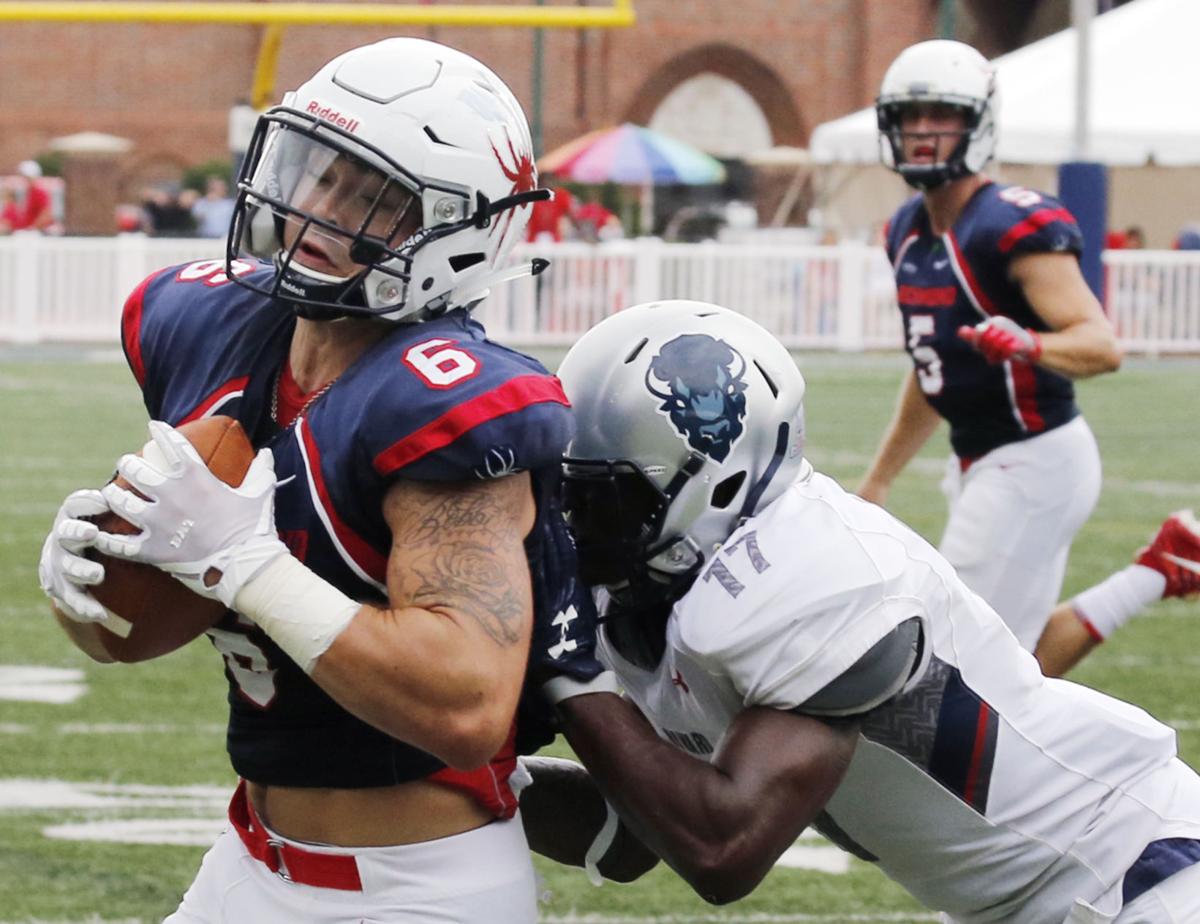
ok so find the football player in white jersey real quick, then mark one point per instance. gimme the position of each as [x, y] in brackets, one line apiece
[792, 655]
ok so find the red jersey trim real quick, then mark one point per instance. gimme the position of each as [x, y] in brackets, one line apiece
[1032, 225]
[514, 395]
[902, 249]
[363, 559]
[977, 754]
[231, 389]
[974, 289]
[1025, 392]
[1087, 624]
[131, 327]
[488, 784]
[927, 296]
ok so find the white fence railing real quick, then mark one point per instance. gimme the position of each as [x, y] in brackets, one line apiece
[1153, 299]
[811, 297]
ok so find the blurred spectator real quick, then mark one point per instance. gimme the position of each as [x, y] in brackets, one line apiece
[593, 222]
[551, 219]
[1115, 240]
[214, 211]
[1135, 238]
[166, 213]
[29, 207]
[1188, 238]
[129, 218]
[242, 119]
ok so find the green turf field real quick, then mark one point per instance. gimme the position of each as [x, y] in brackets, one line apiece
[137, 735]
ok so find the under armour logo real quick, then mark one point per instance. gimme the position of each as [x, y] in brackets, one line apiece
[563, 620]
[678, 681]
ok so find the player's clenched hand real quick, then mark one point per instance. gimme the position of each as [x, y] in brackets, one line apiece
[63, 572]
[562, 655]
[191, 524]
[1000, 339]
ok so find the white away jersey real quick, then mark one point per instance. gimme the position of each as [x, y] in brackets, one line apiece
[986, 790]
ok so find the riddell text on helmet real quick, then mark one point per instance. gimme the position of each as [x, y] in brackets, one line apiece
[329, 114]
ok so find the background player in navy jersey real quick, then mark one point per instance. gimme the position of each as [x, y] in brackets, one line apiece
[397, 543]
[998, 320]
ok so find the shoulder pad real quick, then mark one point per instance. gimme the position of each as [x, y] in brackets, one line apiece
[446, 407]
[901, 225]
[169, 311]
[874, 678]
[1015, 220]
[784, 619]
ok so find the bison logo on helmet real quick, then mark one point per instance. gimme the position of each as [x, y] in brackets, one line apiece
[705, 396]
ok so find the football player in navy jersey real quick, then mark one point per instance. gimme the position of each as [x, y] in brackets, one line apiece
[998, 321]
[397, 545]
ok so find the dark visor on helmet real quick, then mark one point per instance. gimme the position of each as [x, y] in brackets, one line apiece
[616, 513]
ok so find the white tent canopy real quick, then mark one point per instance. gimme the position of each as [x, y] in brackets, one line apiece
[1145, 75]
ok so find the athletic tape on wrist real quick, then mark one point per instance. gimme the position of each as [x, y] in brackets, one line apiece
[600, 846]
[563, 687]
[301, 612]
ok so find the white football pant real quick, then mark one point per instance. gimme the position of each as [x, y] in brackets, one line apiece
[1013, 515]
[480, 875]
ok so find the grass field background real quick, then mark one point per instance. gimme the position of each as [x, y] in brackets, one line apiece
[137, 732]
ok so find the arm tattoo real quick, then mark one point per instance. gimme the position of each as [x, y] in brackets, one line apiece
[462, 549]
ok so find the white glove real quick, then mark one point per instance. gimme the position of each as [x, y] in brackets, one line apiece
[65, 575]
[210, 536]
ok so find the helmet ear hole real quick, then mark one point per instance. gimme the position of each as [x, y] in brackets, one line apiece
[464, 261]
[724, 493]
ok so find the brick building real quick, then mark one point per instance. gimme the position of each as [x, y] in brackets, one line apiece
[168, 88]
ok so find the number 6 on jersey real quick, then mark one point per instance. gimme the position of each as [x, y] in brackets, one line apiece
[439, 364]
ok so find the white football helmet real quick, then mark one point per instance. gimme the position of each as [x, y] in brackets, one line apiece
[939, 71]
[392, 184]
[689, 417]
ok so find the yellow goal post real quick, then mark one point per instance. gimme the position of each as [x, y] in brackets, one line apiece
[275, 16]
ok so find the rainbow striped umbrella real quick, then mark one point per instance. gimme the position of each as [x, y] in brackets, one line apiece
[633, 155]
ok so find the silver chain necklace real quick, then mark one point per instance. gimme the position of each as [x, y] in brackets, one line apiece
[304, 407]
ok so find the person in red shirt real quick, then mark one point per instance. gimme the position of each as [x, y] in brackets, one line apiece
[551, 219]
[33, 211]
[596, 223]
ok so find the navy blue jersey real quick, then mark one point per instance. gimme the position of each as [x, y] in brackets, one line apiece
[962, 277]
[433, 402]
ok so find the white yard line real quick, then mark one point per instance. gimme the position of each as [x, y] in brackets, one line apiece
[114, 728]
[44, 795]
[31, 684]
[94, 919]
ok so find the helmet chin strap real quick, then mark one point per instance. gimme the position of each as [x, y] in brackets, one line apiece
[477, 288]
[485, 211]
[756, 491]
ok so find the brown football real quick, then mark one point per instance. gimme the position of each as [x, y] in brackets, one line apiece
[156, 613]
